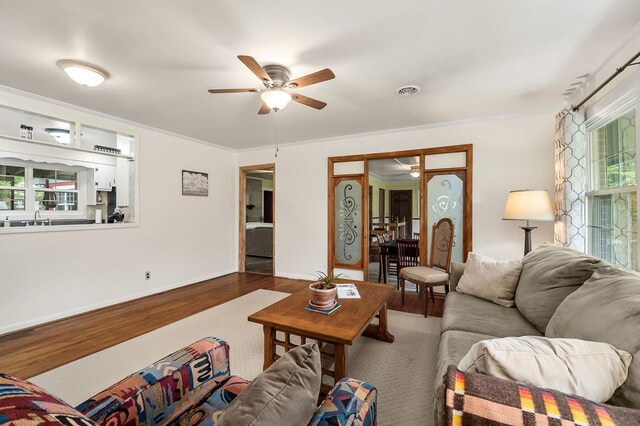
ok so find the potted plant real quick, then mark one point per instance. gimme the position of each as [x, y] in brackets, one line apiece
[323, 291]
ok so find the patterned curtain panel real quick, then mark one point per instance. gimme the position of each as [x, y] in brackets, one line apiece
[570, 168]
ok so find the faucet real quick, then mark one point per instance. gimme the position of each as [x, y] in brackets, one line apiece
[36, 215]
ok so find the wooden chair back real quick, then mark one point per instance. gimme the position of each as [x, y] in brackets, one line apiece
[442, 244]
[408, 253]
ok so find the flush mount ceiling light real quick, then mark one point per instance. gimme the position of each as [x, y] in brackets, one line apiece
[276, 99]
[60, 135]
[83, 73]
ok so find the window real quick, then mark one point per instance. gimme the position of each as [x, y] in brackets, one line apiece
[55, 189]
[612, 198]
[32, 186]
[12, 188]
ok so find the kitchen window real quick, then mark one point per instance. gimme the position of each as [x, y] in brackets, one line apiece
[612, 197]
[32, 186]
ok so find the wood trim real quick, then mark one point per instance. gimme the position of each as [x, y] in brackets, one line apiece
[409, 153]
[468, 242]
[330, 218]
[423, 213]
[242, 220]
[366, 222]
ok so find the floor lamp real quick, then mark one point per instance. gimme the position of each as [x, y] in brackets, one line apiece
[530, 206]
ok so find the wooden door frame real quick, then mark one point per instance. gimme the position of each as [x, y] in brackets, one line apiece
[242, 217]
[467, 149]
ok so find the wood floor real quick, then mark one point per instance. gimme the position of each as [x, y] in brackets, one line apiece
[35, 350]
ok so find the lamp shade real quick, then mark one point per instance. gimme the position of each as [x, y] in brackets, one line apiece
[276, 99]
[528, 205]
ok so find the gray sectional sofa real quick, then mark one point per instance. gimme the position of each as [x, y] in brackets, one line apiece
[550, 274]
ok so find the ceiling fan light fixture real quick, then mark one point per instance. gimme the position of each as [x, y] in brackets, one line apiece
[415, 172]
[276, 99]
[60, 135]
[83, 73]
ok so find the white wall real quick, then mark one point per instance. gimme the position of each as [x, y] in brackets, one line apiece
[181, 240]
[509, 153]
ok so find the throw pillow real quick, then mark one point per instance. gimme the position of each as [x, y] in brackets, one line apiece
[284, 394]
[490, 279]
[606, 309]
[592, 370]
[549, 274]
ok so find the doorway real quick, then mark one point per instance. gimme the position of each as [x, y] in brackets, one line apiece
[401, 210]
[370, 207]
[257, 219]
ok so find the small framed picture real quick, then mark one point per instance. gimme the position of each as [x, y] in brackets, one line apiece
[195, 183]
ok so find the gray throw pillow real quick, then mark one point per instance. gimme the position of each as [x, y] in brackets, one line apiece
[493, 280]
[606, 309]
[284, 394]
[549, 274]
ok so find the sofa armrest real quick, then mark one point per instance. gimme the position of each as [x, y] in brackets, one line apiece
[165, 389]
[472, 398]
[350, 402]
[457, 269]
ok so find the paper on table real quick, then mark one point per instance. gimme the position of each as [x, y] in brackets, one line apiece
[347, 291]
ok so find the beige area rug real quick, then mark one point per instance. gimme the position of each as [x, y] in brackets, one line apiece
[402, 371]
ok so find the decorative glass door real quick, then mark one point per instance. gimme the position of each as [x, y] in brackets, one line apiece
[348, 222]
[445, 199]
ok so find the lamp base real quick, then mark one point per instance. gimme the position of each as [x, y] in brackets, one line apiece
[527, 238]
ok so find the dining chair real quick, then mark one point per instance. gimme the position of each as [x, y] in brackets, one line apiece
[408, 257]
[437, 273]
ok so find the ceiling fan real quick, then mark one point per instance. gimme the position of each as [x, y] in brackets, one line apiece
[413, 169]
[277, 92]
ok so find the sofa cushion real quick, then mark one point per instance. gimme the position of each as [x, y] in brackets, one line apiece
[23, 403]
[549, 274]
[593, 370]
[464, 312]
[606, 309]
[493, 280]
[454, 345]
[209, 411]
[284, 394]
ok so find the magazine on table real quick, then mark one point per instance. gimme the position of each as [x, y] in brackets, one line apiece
[347, 291]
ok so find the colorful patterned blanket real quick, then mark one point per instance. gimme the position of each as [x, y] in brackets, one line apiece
[477, 399]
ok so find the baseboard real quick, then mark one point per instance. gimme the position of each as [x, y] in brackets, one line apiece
[295, 276]
[92, 307]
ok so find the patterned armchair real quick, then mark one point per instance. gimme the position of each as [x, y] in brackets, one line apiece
[192, 386]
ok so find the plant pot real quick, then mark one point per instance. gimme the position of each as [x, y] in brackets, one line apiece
[322, 297]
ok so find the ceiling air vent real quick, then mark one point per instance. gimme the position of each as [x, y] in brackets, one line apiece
[407, 90]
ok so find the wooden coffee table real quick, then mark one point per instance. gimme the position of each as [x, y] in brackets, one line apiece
[332, 332]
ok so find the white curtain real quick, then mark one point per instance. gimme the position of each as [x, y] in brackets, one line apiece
[570, 179]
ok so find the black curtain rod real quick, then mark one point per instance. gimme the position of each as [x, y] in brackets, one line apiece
[607, 81]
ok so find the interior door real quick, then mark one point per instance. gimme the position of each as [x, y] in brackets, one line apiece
[446, 199]
[401, 208]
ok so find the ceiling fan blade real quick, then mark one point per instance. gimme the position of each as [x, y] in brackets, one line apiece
[255, 67]
[316, 77]
[264, 109]
[304, 100]
[232, 90]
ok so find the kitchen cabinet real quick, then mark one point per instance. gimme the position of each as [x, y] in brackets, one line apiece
[104, 177]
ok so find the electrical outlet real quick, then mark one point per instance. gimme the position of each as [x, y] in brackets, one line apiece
[147, 275]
